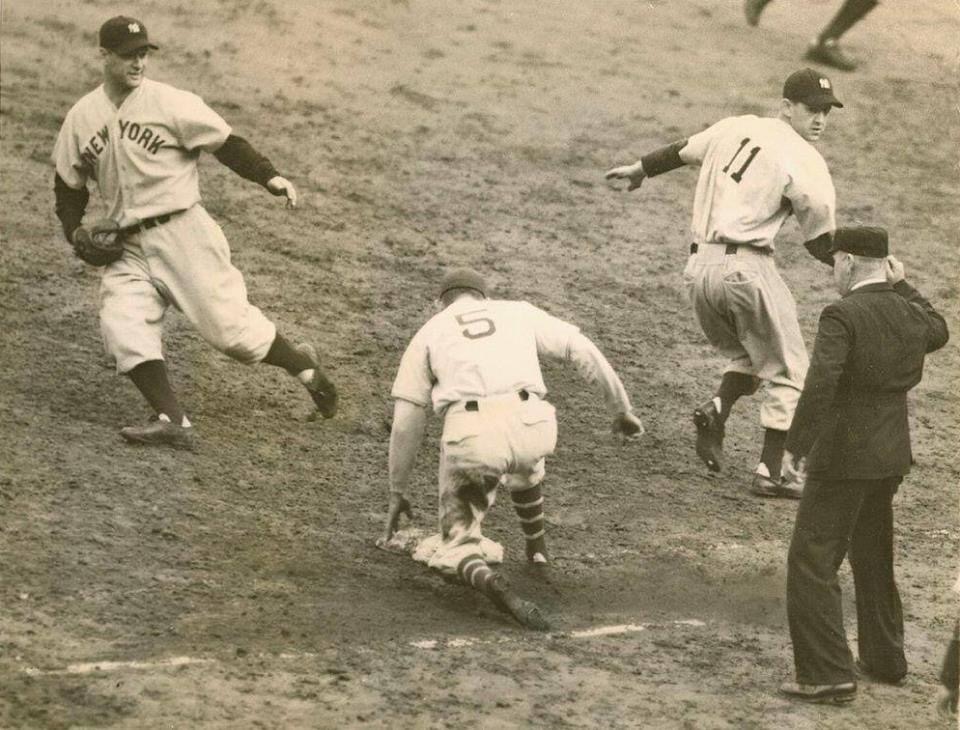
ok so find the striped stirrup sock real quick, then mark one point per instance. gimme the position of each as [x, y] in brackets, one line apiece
[528, 504]
[474, 571]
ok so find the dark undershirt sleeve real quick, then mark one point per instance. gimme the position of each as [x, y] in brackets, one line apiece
[70, 204]
[664, 159]
[819, 248]
[240, 156]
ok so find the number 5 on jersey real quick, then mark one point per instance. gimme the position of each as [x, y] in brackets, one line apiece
[476, 325]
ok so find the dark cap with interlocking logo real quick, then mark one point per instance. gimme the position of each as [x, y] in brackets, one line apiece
[124, 35]
[811, 87]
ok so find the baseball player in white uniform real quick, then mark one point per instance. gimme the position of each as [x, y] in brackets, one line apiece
[754, 173]
[476, 363]
[139, 140]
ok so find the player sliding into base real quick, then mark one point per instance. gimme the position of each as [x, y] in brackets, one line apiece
[140, 141]
[476, 362]
[754, 173]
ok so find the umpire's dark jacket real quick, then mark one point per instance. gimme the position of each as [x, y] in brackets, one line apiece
[851, 421]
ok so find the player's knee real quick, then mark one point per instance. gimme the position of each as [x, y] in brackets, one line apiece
[234, 344]
[240, 353]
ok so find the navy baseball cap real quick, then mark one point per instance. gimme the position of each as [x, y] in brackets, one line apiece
[861, 241]
[811, 87]
[124, 35]
[462, 279]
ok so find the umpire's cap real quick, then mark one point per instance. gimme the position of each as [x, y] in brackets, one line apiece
[462, 279]
[865, 241]
[811, 87]
[124, 35]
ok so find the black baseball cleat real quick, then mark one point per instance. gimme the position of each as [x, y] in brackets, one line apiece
[752, 10]
[824, 694]
[160, 433]
[322, 391]
[709, 435]
[526, 613]
[829, 53]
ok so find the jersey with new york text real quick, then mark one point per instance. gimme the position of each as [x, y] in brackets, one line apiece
[755, 172]
[480, 347]
[142, 155]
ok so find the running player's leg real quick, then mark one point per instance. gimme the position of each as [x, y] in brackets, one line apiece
[131, 322]
[190, 258]
[719, 326]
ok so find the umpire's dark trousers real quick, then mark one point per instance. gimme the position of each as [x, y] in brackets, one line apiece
[834, 517]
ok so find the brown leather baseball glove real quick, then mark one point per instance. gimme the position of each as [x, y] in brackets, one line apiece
[99, 243]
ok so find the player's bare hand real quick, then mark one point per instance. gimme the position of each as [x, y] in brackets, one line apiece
[398, 505]
[794, 470]
[281, 186]
[627, 426]
[894, 270]
[634, 173]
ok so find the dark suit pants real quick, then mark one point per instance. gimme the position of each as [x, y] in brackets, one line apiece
[836, 517]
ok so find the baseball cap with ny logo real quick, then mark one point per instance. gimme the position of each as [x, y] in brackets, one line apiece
[812, 88]
[124, 35]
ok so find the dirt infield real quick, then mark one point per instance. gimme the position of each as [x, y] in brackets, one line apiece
[238, 586]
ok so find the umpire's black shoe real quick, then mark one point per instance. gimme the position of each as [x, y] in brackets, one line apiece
[322, 391]
[709, 435]
[867, 672]
[752, 10]
[829, 53]
[832, 694]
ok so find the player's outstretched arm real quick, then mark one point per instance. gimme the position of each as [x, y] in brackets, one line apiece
[595, 368]
[240, 156]
[656, 163]
[406, 436]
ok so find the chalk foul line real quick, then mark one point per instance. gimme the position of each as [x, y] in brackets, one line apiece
[449, 643]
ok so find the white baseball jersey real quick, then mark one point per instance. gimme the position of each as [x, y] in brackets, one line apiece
[477, 348]
[755, 172]
[143, 156]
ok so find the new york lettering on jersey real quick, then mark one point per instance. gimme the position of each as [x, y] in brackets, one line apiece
[142, 134]
[142, 157]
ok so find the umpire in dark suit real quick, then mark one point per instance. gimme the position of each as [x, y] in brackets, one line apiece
[850, 440]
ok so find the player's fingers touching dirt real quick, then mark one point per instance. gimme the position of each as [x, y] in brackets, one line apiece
[398, 505]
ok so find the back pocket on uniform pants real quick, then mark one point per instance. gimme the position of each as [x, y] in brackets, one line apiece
[459, 427]
[540, 420]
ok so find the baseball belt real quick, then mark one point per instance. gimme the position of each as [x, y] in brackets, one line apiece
[732, 248]
[473, 405]
[147, 223]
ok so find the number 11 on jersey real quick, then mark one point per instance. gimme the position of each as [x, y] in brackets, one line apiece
[738, 175]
